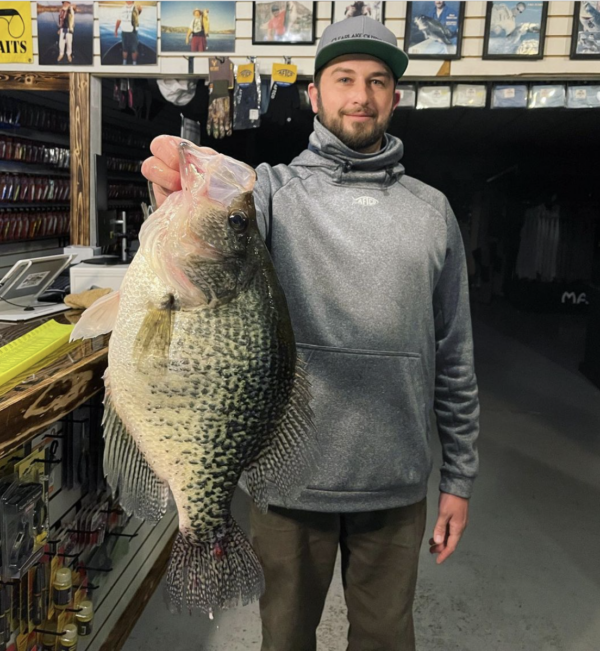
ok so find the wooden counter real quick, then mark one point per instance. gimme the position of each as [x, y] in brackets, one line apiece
[51, 389]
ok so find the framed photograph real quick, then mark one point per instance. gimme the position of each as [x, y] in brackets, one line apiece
[434, 29]
[585, 43]
[128, 33]
[274, 23]
[342, 10]
[195, 27]
[65, 33]
[515, 30]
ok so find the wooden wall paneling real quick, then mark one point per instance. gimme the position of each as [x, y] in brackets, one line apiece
[79, 114]
[34, 81]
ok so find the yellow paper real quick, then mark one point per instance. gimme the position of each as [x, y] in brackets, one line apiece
[285, 72]
[245, 73]
[16, 41]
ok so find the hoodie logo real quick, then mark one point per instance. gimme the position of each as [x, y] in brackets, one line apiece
[365, 201]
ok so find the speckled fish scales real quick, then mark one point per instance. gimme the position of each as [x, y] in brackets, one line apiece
[203, 381]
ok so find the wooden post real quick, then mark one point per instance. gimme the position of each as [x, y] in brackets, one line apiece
[79, 115]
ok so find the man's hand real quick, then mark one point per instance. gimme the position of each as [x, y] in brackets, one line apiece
[452, 520]
[162, 169]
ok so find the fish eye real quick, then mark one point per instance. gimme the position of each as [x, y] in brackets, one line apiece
[238, 222]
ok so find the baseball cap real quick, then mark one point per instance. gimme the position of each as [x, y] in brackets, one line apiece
[361, 35]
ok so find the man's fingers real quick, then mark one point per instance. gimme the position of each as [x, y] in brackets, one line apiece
[449, 549]
[166, 149]
[159, 194]
[157, 172]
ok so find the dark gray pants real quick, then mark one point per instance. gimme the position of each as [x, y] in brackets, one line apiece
[380, 554]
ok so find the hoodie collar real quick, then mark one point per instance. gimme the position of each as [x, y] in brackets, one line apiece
[345, 165]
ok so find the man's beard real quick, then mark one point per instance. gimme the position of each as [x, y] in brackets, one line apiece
[359, 136]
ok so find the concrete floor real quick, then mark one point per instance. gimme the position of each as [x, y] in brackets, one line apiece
[526, 576]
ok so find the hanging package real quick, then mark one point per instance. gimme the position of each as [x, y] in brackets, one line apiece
[284, 105]
[547, 96]
[434, 97]
[583, 97]
[220, 75]
[246, 97]
[470, 95]
[509, 96]
[408, 96]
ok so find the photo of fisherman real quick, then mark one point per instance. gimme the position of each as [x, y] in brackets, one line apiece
[433, 29]
[515, 30]
[128, 32]
[283, 22]
[342, 10]
[65, 33]
[194, 28]
[586, 31]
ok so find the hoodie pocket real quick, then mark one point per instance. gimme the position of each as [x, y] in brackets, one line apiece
[371, 417]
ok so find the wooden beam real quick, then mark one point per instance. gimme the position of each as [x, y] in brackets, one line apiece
[34, 81]
[79, 116]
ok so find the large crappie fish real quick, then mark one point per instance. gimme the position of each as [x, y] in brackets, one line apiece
[202, 380]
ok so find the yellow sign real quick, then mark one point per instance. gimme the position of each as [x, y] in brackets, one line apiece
[16, 41]
[245, 73]
[285, 72]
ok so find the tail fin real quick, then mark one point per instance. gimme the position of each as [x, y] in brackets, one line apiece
[215, 574]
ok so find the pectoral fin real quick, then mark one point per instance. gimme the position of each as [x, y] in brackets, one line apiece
[154, 337]
[98, 319]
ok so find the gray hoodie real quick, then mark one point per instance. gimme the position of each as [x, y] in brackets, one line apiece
[373, 268]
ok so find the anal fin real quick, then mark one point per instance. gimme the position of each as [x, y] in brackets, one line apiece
[140, 491]
[288, 460]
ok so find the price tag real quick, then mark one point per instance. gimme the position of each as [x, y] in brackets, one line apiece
[253, 114]
[580, 93]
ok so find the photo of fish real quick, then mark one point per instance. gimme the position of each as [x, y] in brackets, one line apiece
[66, 33]
[203, 381]
[515, 30]
[284, 22]
[585, 43]
[434, 29]
[128, 32]
[343, 10]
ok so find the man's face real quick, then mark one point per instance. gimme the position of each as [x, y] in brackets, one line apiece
[439, 5]
[355, 100]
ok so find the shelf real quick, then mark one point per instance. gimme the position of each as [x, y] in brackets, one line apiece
[113, 175]
[38, 136]
[126, 202]
[33, 204]
[27, 168]
[118, 151]
[58, 236]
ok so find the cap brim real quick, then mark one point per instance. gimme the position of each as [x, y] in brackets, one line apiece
[396, 59]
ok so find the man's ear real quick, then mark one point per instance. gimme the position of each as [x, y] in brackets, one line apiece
[396, 99]
[313, 93]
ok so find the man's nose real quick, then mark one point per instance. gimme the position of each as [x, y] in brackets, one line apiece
[362, 93]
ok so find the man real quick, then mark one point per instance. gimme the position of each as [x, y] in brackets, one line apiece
[445, 16]
[504, 20]
[66, 27]
[129, 23]
[275, 26]
[373, 267]
[196, 32]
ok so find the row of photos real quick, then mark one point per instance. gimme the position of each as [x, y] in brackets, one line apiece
[434, 30]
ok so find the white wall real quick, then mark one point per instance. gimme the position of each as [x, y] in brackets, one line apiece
[556, 60]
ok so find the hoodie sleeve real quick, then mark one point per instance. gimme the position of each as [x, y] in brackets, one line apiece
[456, 401]
[262, 198]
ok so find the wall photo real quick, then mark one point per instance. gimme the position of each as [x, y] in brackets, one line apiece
[342, 10]
[515, 30]
[128, 33]
[585, 43]
[434, 29]
[276, 23]
[196, 27]
[66, 33]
